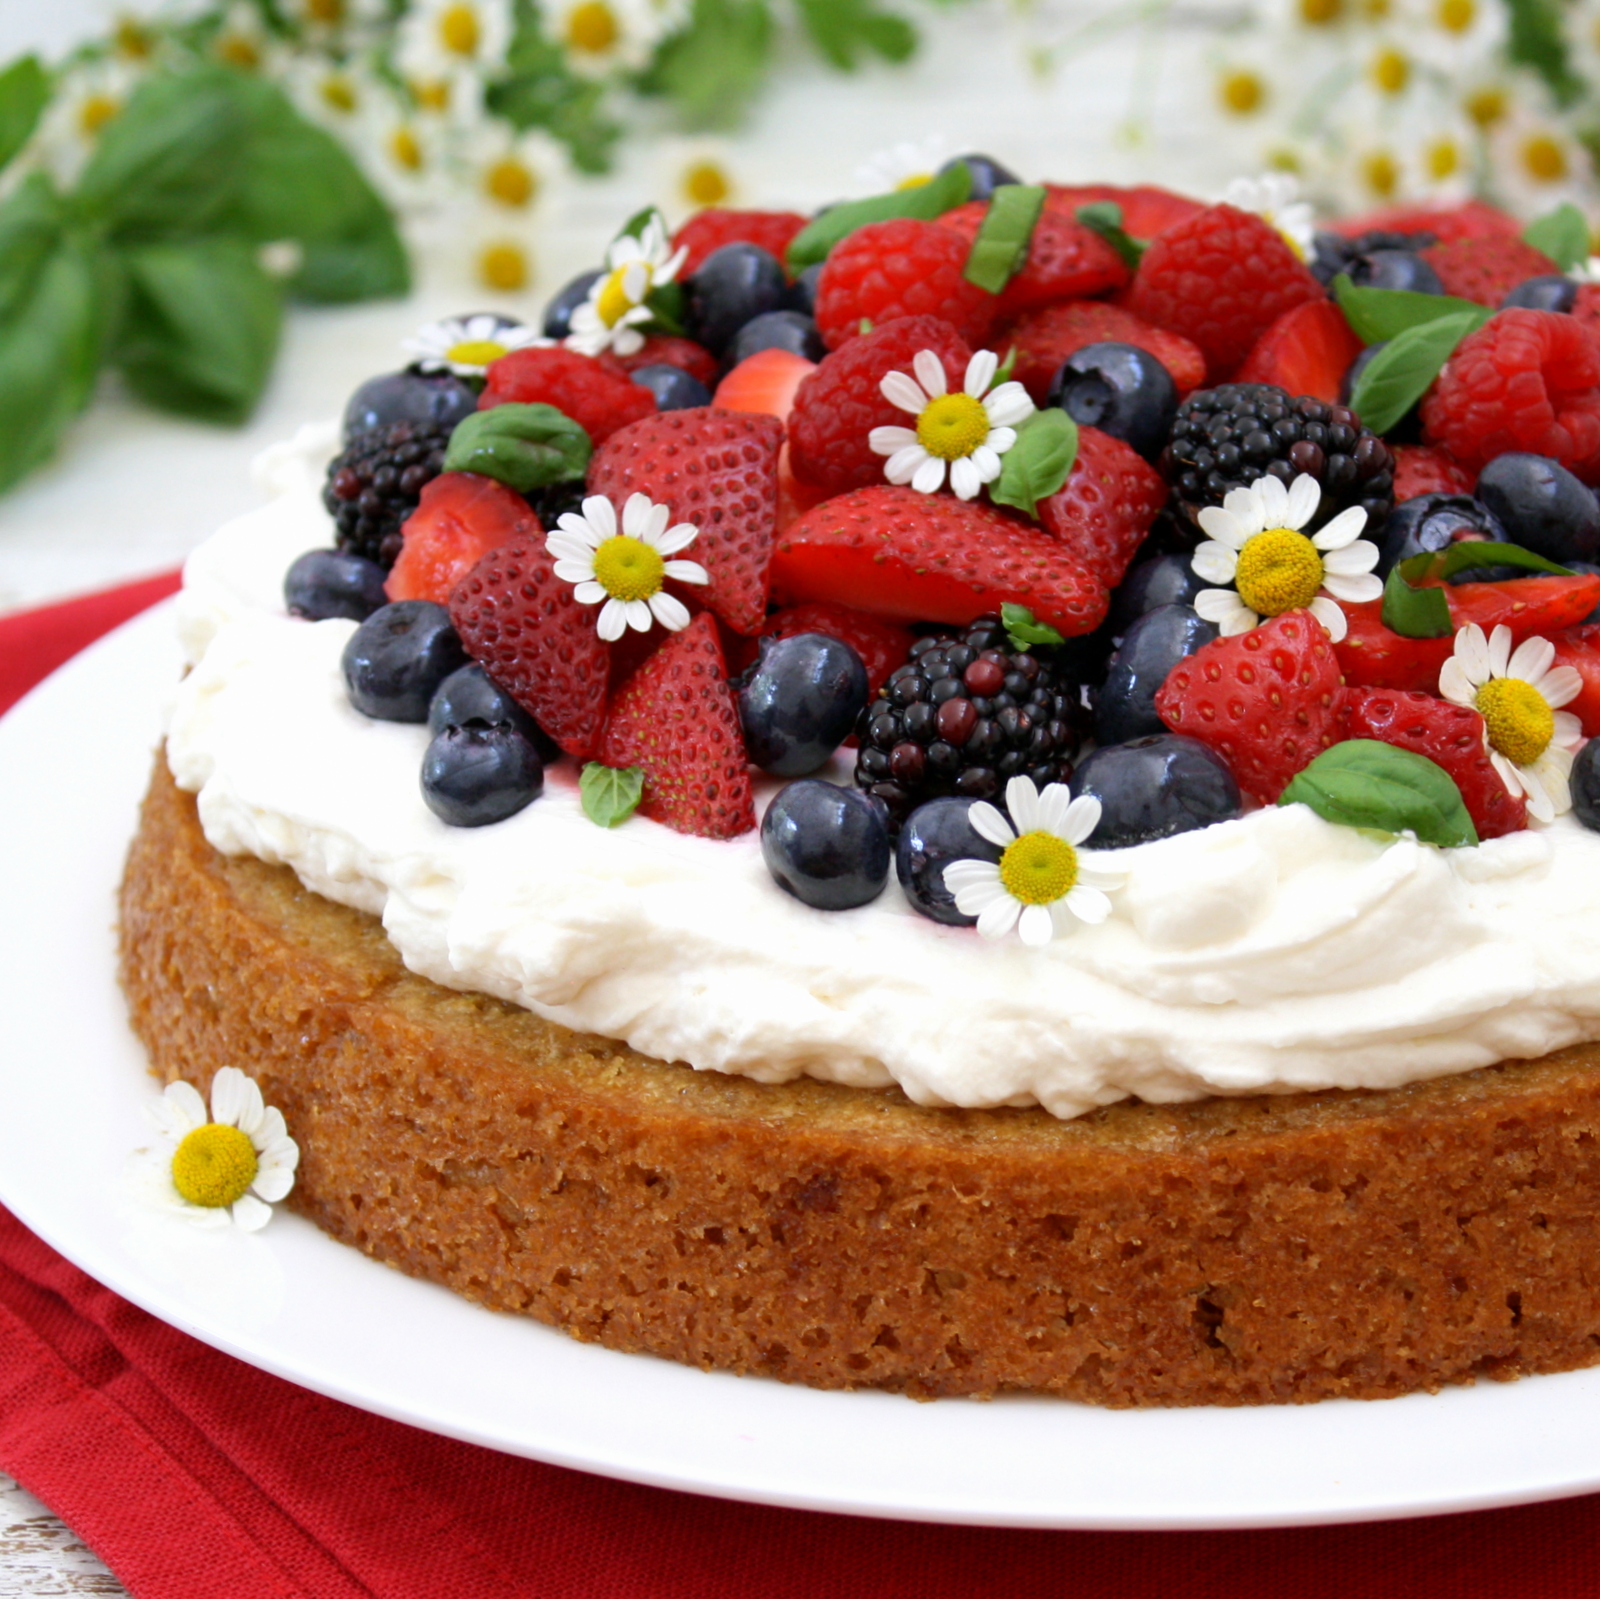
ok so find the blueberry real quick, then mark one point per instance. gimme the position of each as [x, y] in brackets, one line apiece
[673, 388]
[777, 330]
[827, 846]
[469, 694]
[1120, 389]
[558, 314]
[1543, 507]
[934, 835]
[1155, 787]
[479, 773]
[799, 701]
[1125, 705]
[1551, 291]
[802, 294]
[1429, 523]
[410, 396]
[1395, 269]
[731, 286]
[398, 657]
[324, 583]
[987, 174]
[1160, 580]
[1585, 781]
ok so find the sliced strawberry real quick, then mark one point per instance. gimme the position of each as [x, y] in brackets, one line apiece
[1146, 209]
[521, 623]
[1307, 351]
[1449, 735]
[1372, 656]
[718, 470]
[896, 553]
[1043, 339]
[1472, 220]
[1105, 508]
[598, 396]
[1268, 701]
[766, 382]
[676, 718]
[881, 645]
[1065, 260]
[460, 518]
[1579, 648]
[1425, 469]
[665, 349]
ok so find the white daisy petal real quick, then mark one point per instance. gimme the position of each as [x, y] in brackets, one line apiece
[1216, 605]
[1036, 926]
[965, 874]
[974, 899]
[1305, 494]
[627, 341]
[1215, 562]
[685, 572]
[668, 610]
[1360, 555]
[1223, 526]
[179, 1110]
[1355, 587]
[1508, 773]
[988, 822]
[1332, 618]
[1088, 904]
[1055, 804]
[980, 373]
[234, 1097]
[1343, 531]
[999, 440]
[273, 1185]
[903, 465]
[1273, 499]
[986, 463]
[1092, 875]
[250, 1215]
[1009, 405]
[1238, 621]
[579, 572]
[1453, 684]
[885, 441]
[930, 373]
[965, 480]
[1569, 730]
[1082, 818]
[929, 476]
[1531, 659]
[1246, 507]
[903, 393]
[1472, 651]
[613, 620]
[672, 539]
[1022, 801]
[1500, 650]
[1561, 685]
[567, 546]
[601, 515]
[638, 614]
[998, 918]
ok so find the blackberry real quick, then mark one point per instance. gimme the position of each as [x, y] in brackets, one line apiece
[376, 483]
[1230, 436]
[1333, 254]
[964, 714]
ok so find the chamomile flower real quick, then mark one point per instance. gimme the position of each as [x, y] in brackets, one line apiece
[1519, 693]
[440, 39]
[615, 312]
[1043, 882]
[907, 165]
[1275, 198]
[966, 432]
[602, 37]
[466, 345]
[625, 569]
[1271, 566]
[224, 1168]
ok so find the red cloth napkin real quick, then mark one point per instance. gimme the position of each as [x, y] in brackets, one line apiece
[194, 1476]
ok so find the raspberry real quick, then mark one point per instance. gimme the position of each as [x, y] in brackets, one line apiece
[1527, 380]
[1221, 278]
[1146, 210]
[1486, 270]
[1586, 305]
[599, 398]
[1065, 260]
[1046, 337]
[710, 229]
[894, 269]
[1472, 220]
[1421, 469]
[837, 406]
[663, 349]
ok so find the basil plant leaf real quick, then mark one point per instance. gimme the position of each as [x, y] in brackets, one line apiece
[1105, 218]
[610, 794]
[522, 446]
[1039, 462]
[1425, 612]
[1023, 631]
[31, 218]
[24, 93]
[1563, 235]
[1001, 245]
[1401, 372]
[943, 192]
[1362, 783]
[1376, 315]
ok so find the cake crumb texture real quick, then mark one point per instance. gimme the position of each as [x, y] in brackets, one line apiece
[1230, 1251]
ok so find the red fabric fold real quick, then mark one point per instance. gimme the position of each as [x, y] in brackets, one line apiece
[194, 1476]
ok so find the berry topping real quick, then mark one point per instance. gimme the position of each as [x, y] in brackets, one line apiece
[1430, 523]
[665, 349]
[935, 834]
[1125, 704]
[558, 314]
[377, 481]
[425, 399]
[827, 846]
[325, 583]
[1065, 260]
[1485, 270]
[1552, 291]
[880, 645]
[1106, 507]
[1306, 351]
[1046, 338]
[1122, 390]
[1422, 469]
[799, 702]
[598, 397]
[1155, 787]
[460, 518]
[1160, 580]
[1542, 506]
[480, 772]
[672, 387]
[711, 229]
[398, 657]
[732, 286]
[765, 382]
[469, 694]
[777, 330]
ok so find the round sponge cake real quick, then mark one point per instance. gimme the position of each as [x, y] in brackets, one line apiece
[1229, 1251]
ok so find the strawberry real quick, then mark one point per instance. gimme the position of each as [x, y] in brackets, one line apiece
[881, 645]
[676, 718]
[460, 518]
[521, 623]
[1579, 648]
[1370, 655]
[1449, 735]
[718, 470]
[1472, 220]
[1307, 351]
[664, 349]
[712, 228]
[1045, 338]
[1486, 270]
[896, 553]
[1105, 508]
[766, 382]
[1065, 260]
[598, 396]
[1423, 469]
[1268, 701]
[1146, 210]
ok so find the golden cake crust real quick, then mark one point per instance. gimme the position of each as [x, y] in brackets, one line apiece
[1236, 1251]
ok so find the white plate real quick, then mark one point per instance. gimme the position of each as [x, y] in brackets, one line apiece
[75, 757]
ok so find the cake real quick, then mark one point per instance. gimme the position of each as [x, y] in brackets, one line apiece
[1298, 1102]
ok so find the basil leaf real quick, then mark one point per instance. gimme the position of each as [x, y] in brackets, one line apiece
[1562, 234]
[634, 227]
[1537, 40]
[943, 192]
[669, 311]
[713, 68]
[49, 350]
[1023, 631]
[1105, 218]
[1399, 374]
[1039, 462]
[30, 228]
[1001, 246]
[610, 794]
[24, 92]
[843, 29]
[201, 327]
[523, 446]
[1008, 365]
[1362, 783]
[1425, 612]
[1375, 315]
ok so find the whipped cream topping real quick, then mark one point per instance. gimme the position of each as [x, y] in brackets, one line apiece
[1271, 954]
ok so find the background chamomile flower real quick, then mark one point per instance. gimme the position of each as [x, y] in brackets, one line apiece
[904, 165]
[602, 38]
[1275, 198]
[441, 39]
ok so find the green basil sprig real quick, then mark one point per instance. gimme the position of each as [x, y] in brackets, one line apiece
[523, 446]
[1401, 372]
[1039, 462]
[1375, 315]
[24, 93]
[1105, 218]
[943, 192]
[610, 794]
[1362, 783]
[1563, 235]
[1425, 612]
[1001, 246]
[1023, 631]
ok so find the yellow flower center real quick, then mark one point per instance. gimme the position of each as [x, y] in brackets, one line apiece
[1486, 106]
[328, 13]
[592, 27]
[1444, 159]
[914, 180]
[475, 352]
[952, 426]
[406, 151]
[510, 182]
[1517, 718]
[1279, 570]
[238, 51]
[458, 30]
[1381, 173]
[214, 1165]
[1375, 10]
[133, 40]
[1321, 13]
[1241, 92]
[614, 302]
[705, 183]
[433, 94]
[95, 112]
[628, 569]
[1039, 868]
[1545, 160]
[339, 94]
[504, 267]
[1456, 16]
[1391, 71]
